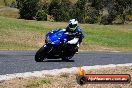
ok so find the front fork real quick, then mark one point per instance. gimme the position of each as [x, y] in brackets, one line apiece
[48, 48]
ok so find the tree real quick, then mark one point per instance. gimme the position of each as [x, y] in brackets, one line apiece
[19, 3]
[5, 2]
[54, 8]
[80, 10]
[117, 9]
[59, 9]
[122, 7]
[67, 7]
[41, 16]
[85, 11]
[45, 5]
[28, 8]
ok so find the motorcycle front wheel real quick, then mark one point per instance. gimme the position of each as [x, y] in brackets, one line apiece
[40, 55]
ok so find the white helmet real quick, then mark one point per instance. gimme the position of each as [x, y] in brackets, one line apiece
[73, 24]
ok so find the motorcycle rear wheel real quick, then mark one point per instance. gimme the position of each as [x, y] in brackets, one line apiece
[40, 55]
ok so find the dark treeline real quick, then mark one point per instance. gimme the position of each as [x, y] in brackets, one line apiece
[86, 11]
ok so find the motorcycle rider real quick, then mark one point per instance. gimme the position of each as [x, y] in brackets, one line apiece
[74, 28]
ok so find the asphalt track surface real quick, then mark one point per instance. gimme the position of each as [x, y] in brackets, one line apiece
[23, 61]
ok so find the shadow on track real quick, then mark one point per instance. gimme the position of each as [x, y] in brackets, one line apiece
[59, 61]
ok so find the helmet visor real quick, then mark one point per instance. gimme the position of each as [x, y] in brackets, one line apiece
[72, 25]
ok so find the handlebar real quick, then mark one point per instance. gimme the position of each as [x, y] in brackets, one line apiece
[68, 33]
[77, 34]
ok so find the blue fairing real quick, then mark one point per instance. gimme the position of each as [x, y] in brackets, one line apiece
[56, 36]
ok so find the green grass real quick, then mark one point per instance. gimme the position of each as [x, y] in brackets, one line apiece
[7, 11]
[66, 75]
[17, 34]
[38, 83]
[111, 36]
[12, 12]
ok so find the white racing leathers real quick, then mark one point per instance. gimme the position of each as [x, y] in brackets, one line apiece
[74, 41]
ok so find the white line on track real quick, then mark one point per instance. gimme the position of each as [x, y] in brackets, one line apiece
[56, 71]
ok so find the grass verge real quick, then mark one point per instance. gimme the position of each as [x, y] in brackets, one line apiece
[9, 12]
[66, 80]
[16, 34]
[37, 83]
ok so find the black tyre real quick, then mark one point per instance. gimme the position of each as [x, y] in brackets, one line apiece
[40, 55]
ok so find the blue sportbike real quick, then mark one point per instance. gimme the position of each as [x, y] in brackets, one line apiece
[57, 45]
